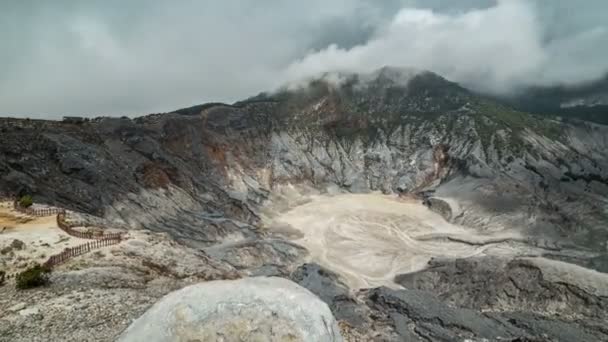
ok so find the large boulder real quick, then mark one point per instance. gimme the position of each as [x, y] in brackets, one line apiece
[250, 309]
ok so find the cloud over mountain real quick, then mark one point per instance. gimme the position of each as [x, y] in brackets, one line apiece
[112, 58]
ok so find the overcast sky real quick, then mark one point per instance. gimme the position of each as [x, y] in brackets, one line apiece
[135, 57]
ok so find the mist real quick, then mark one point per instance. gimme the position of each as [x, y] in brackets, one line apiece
[114, 58]
[495, 50]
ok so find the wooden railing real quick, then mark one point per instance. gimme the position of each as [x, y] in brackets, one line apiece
[100, 239]
[69, 253]
[63, 225]
[40, 212]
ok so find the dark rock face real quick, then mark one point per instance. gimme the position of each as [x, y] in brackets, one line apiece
[345, 306]
[419, 314]
[429, 310]
[320, 281]
[439, 206]
[495, 284]
[331, 290]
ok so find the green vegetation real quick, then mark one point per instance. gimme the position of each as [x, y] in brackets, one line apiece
[33, 277]
[2, 277]
[26, 201]
[518, 121]
[492, 117]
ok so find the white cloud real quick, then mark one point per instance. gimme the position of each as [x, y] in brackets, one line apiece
[495, 49]
[137, 57]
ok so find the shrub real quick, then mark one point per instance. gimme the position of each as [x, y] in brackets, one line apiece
[2, 277]
[26, 201]
[33, 277]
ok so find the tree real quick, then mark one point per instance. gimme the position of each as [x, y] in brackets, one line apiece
[33, 277]
[26, 201]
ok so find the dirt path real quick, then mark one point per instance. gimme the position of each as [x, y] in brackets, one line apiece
[370, 238]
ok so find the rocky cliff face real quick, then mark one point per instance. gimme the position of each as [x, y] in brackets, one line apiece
[204, 174]
[219, 163]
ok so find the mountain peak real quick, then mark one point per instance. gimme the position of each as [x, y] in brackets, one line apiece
[385, 90]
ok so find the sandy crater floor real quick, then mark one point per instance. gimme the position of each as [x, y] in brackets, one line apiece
[370, 238]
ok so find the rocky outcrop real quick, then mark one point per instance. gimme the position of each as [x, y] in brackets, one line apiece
[356, 319]
[251, 309]
[536, 284]
[419, 315]
[440, 206]
[440, 304]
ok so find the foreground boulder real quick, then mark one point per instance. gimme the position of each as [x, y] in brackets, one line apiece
[250, 309]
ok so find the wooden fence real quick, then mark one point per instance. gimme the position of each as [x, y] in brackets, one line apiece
[69, 253]
[63, 225]
[100, 239]
[39, 212]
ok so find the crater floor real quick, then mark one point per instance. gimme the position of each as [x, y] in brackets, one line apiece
[370, 238]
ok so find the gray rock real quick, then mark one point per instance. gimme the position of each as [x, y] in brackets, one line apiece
[250, 309]
[17, 307]
[278, 254]
[419, 307]
[489, 283]
[319, 281]
[331, 290]
[29, 311]
[17, 244]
